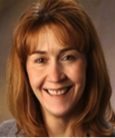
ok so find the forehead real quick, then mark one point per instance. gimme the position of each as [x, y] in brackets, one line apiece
[53, 33]
[47, 39]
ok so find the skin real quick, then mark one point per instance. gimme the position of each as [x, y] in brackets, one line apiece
[53, 66]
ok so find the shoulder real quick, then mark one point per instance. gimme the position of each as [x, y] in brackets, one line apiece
[108, 125]
[8, 129]
[113, 134]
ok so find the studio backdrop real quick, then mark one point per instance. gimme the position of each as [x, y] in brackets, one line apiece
[102, 13]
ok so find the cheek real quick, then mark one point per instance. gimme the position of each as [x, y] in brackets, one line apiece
[35, 77]
[81, 72]
[78, 72]
[80, 78]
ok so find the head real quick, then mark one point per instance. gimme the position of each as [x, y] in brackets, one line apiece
[71, 26]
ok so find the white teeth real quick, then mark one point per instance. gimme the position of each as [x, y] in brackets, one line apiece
[58, 92]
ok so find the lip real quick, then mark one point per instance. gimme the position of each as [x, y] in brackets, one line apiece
[56, 89]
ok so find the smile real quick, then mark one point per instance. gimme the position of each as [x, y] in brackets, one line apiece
[58, 92]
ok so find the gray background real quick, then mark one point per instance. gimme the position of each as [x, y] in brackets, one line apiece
[102, 13]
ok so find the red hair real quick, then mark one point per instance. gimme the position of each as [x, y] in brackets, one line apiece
[68, 21]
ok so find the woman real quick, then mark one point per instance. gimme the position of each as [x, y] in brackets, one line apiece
[58, 84]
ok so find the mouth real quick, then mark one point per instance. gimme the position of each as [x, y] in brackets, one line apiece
[58, 92]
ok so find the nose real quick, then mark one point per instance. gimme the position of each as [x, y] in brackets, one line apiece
[56, 73]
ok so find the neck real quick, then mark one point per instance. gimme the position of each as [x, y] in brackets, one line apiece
[60, 126]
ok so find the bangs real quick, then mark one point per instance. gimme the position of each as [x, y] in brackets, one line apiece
[66, 36]
[32, 39]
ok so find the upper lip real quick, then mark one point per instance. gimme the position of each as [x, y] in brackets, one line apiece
[56, 89]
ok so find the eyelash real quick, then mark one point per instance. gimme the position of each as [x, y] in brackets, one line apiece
[39, 60]
[71, 57]
[65, 58]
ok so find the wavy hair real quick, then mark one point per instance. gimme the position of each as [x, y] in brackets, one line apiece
[68, 20]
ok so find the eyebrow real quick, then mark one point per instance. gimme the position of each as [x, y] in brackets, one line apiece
[61, 51]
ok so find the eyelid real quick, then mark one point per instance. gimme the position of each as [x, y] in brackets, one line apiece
[68, 57]
[37, 60]
[71, 52]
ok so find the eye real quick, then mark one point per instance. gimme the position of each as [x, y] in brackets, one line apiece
[69, 57]
[40, 60]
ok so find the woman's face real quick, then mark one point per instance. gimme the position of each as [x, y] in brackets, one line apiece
[57, 74]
